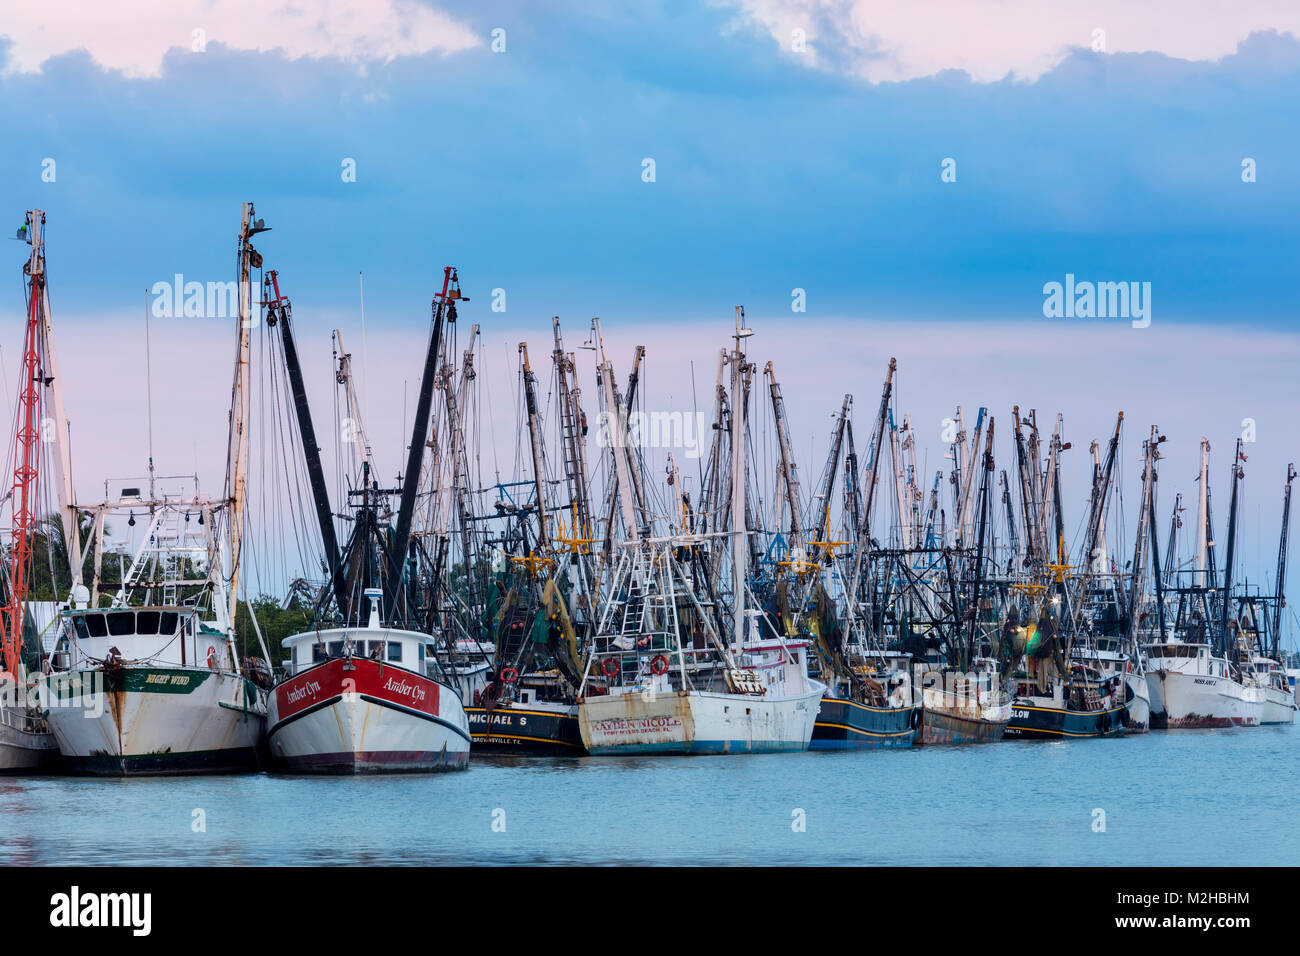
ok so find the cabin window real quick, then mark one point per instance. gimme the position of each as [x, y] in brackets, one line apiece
[121, 624]
[96, 624]
[168, 622]
[419, 654]
[359, 648]
[318, 653]
[336, 648]
[83, 632]
[395, 651]
[146, 622]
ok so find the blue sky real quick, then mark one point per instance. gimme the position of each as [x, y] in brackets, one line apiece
[525, 169]
[773, 171]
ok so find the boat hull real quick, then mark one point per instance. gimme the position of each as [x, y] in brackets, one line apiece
[1036, 721]
[1193, 701]
[1139, 704]
[1158, 720]
[154, 720]
[23, 749]
[697, 722]
[365, 716]
[1279, 707]
[949, 727]
[847, 725]
[526, 731]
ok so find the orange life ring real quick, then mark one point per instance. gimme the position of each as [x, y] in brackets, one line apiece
[609, 667]
[212, 657]
[659, 664]
[509, 675]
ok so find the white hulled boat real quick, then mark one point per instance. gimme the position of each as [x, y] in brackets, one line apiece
[659, 676]
[648, 690]
[1196, 688]
[359, 700]
[1279, 695]
[151, 690]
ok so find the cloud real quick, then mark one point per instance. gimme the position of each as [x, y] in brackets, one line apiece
[990, 40]
[133, 36]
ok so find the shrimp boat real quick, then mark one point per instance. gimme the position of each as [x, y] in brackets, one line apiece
[1049, 706]
[152, 689]
[869, 702]
[1057, 695]
[659, 676]
[151, 683]
[363, 695]
[650, 688]
[1279, 695]
[1197, 688]
[526, 709]
[878, 712]
[963, 708]
[1200, 677]
[358, 701]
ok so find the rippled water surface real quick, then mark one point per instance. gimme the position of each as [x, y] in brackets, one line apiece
[1187, 797]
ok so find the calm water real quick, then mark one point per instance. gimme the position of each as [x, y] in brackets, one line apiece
[1188, 797]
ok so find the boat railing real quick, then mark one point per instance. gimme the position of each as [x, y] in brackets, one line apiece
[23, 721]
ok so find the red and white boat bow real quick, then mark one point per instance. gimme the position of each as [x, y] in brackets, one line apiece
[358, 701]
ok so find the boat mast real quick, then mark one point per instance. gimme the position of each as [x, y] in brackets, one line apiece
[535, 441]
[900, 485]
[27, 457]
[1034, 554]
[738, 527]
[617, 423]
[1146, 522]
[965, 518]
[52, 401]
[822, 527]
[444, 307]
[1232, 545]
[1280, 601]
[1096, 544]
[789, 470]
[237, 449]
[361, 453]
[279, 312]
[1013, 539]
[572, 425]
[1202, 515]
[862, 543]
[986, 469]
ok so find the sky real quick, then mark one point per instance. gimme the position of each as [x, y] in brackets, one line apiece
[913, 174]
